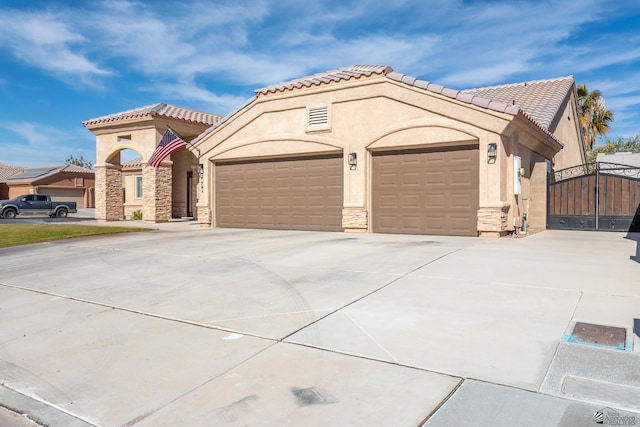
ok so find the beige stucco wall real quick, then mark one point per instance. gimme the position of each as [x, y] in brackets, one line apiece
[376, 114]
[566, 128]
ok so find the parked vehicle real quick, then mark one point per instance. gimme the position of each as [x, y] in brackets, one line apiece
[32, 204]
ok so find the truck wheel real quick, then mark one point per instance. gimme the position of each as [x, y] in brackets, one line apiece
[61, 213]
[9, 213]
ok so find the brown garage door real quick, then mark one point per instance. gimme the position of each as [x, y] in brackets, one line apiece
[426, 191]
[291, 194]
[65, 195]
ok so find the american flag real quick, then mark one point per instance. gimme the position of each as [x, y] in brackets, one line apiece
[170, 142]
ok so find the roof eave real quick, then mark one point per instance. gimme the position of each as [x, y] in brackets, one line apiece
[547, 138]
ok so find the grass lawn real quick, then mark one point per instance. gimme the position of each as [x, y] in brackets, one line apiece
[22, 234]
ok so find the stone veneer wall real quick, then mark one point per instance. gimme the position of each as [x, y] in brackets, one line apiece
[355, 219]
[179, 210]
[156, 193]
[204, 216]
[493, 220]
[108, 193]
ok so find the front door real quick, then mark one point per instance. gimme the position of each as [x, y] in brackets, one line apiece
[190, 193]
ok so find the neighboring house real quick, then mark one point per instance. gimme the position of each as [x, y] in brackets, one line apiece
[168, 190]
[61, 182]
[621, 158]
[365, 148]
[5, 172]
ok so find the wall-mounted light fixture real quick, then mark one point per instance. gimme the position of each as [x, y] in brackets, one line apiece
[200, 168]
[492, 152]
[353, 160]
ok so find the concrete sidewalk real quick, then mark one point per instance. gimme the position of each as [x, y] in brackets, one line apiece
[192, 326]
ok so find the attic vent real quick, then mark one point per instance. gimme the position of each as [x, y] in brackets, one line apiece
[319, 116]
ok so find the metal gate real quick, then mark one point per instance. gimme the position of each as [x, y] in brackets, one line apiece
[594, 196]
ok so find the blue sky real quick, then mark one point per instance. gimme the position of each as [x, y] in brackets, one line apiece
[62, 62]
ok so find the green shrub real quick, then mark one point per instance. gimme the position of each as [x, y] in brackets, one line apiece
[137, 214]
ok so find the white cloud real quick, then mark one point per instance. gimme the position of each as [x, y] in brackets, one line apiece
[46, 41]
[32, 144]
[214, 53]
[200, 96]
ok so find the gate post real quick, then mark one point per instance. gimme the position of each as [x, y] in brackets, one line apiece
[597, 210]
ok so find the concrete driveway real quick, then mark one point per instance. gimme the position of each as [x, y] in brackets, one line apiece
[200, 327]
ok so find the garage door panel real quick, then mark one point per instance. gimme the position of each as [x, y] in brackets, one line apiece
[296, 193]
[444, 201]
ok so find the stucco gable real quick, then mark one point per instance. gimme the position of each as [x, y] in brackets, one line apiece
[536, 102]
[160, 109]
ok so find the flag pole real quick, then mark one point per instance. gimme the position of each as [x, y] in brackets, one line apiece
[199, 166]
[187, 142]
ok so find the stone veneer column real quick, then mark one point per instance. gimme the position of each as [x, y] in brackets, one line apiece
[204, 216]
[108, 193]
[156, 193]
[355, 219]
[493, 220]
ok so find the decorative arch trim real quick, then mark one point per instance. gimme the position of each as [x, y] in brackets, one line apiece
[425, 132]
[281, 146]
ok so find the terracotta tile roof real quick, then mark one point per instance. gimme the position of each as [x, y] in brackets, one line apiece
[354, 72]
[161, 109]
[540, 99]
[133, 163]
[539, 109]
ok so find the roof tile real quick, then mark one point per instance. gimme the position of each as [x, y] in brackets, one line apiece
[451, 93]
[465, 97]
[435, 88]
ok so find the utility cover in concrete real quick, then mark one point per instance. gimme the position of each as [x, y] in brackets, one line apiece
[599, 335]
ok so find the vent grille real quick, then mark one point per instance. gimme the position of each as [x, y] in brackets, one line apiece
[318, 116]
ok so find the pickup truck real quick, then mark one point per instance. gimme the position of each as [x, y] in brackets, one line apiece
[31, 204]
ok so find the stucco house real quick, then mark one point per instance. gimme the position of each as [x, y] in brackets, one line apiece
[365, 148]
[61, 182]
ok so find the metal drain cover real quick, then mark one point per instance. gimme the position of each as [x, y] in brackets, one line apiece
[605, 336]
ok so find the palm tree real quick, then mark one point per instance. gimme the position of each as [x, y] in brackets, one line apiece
[594, 116]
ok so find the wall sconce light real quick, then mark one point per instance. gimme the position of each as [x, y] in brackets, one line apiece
[353, 160]
[200, 168]
[492, 151]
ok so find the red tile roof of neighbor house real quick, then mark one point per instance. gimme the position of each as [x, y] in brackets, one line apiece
[31, 175]
[160, 109]
[7, 170]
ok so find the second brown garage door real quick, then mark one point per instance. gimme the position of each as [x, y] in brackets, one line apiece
[426, 191]
[290, 194]
[66, 195]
